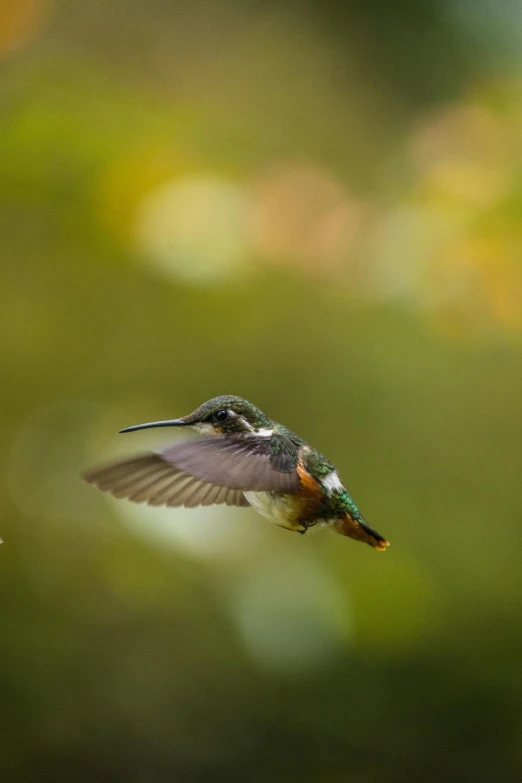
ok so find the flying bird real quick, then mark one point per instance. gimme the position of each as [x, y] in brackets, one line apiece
[244, 459]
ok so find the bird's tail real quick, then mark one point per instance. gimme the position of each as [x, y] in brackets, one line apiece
[360, 531]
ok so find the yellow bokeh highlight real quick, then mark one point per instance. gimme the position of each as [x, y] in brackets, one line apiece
[130, 177]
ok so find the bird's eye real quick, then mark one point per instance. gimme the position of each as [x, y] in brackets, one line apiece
[221, 416]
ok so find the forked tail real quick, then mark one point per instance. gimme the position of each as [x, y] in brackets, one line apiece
[360, 531]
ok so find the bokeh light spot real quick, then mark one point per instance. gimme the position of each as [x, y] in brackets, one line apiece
[292, 615]
[194, 230]
[463, 154]
[302, 217]
[210, 533]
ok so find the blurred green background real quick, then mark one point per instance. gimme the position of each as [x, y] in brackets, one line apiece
[316, 206]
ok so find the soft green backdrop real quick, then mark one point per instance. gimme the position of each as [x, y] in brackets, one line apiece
[316, 206]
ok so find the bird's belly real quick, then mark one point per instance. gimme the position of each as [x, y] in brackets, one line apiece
[284, 510]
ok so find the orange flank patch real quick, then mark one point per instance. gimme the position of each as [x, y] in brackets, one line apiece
[310, 493]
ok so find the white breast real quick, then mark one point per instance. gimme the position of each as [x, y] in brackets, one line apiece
[280, 509]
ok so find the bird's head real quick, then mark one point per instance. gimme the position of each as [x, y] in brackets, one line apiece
[225, 415]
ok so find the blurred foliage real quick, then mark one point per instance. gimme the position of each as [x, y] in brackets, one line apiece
[318, 208]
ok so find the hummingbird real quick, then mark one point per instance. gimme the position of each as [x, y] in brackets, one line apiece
[244, 459]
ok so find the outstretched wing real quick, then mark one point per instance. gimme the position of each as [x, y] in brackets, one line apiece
[153, 480]
[205, 471]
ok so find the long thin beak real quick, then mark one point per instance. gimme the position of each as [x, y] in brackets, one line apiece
[151, 424]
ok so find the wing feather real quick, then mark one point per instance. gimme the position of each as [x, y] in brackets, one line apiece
[170, 491]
